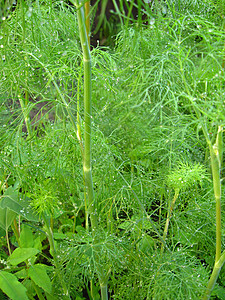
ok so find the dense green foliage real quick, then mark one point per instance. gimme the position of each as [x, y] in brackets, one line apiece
[158, 107]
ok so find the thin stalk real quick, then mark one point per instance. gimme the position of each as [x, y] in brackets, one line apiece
[148, 217]
[190, 97]
[25, 112]
[55, 258]
[92, 289]
[129, 13]
[16, 231]
[38, 291]
[51, 78]
[101, 15]
[170, 209]
[7, 239]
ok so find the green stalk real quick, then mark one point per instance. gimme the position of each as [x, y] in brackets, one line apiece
[87, 20]
[16, 231]
[24, 101]
[104, 291]
[216, 153]
[55, 258]
[87, 116]
[7, 239]
[51, 78]
[25, 112]
[215, 164]
[38, 291]
[170, 209]
[91, 210]
[213, 278]
[101, 16]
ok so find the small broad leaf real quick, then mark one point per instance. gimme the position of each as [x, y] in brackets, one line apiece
[125, 225]
[37, 243]
[12, 287]
[10, 200]
[38, 274]
[6, 217]
[26, 237]
[21, 274]
[18, 204]
[146, 244]
[21, 254]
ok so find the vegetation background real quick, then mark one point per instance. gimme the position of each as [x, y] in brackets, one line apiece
[152, 229]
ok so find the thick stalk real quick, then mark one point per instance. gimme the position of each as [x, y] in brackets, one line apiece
[87, 137]
[87, 20]
[87, 116]
[24, 101]
[216, 153]
[216, 159]
[104, 291]
[213, 278]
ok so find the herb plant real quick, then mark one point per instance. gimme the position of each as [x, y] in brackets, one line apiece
[111, 158]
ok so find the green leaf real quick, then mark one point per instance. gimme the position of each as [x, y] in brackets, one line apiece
[146, 244]
[26, 237]
[21, 254]
[50, 297]
[125, 225]
[27, 211]
[18, 204]
[6, 217]
[21, 274]
[37, 243]
[38, 274]
[12, 287]
[59, 236]
[10, 200]
[29, 285]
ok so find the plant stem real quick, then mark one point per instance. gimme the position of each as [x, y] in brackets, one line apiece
[87, 20]
[170, 209]
[87, 117]
[55, 258]
[91, 210]
[38, 291]
[16, 231]
[213, 278]
[216, 153]
[217, 194]
[7, 239]
[25, 112]
[104, 291]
